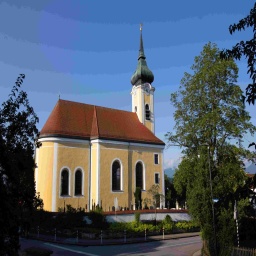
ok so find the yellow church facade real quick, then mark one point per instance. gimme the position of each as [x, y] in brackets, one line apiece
[92, 155]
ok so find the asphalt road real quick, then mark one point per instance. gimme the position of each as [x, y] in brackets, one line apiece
[173, 247]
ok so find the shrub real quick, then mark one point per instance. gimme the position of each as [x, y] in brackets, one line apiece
[168, 219]
[167, 223]
[131, 227]
[70, 209]
[98, 219]
[187, 225]
[137, 217]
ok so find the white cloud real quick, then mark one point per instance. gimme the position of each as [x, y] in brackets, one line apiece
[172, 162]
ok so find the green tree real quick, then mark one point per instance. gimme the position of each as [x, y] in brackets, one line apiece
[247, 49]
[210, 123]
[17, 141]
[168, 191]
[155, 197]
[171, 195]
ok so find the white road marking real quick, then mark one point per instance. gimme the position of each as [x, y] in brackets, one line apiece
[71, 250]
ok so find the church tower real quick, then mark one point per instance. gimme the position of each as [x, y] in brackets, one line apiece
[142, 90]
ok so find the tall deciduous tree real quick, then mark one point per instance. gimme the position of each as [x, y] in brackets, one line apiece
[17, 142]
[210, 123]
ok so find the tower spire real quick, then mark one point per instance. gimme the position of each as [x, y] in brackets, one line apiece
[142, 74]
[141, 50]
[142, 90]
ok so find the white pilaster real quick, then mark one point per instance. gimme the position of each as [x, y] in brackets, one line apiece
[98, 175]
[54, 176]
[163, 185]
[36, 169]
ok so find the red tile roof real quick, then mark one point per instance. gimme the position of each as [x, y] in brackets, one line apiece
[77, 120]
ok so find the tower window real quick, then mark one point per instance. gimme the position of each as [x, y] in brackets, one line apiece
[135, 109]
[147, 112]
[156, 158]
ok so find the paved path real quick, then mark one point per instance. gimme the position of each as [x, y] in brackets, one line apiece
[176, 245]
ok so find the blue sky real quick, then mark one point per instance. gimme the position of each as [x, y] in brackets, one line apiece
[87, 51]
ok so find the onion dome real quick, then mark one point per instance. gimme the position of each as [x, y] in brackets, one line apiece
[142, 74]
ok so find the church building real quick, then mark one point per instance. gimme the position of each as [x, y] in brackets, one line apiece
[93, 155]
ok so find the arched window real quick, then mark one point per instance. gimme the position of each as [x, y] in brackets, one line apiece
[116, 176]
[64, 183]
[139, 175]
[78, 183]
[147, 112]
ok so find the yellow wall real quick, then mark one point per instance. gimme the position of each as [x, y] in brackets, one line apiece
[128, 159]
[72, 156]
[146, 155]
[109, 153]
[45, 173]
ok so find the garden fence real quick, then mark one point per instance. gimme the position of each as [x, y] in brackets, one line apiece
[100, 237]
[243, 252]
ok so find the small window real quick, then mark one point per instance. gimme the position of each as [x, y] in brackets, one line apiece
[78, 183]
[147, 112]
[135, 109]
[156, 158]
[157, 179]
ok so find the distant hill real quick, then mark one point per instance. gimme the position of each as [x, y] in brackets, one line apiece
[169, 172]
[251, 169]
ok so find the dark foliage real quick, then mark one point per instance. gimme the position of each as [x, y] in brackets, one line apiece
[171, 195]
[48, 221]
[17, 191]
[247, 49]
[98, 219]
[247, 229]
